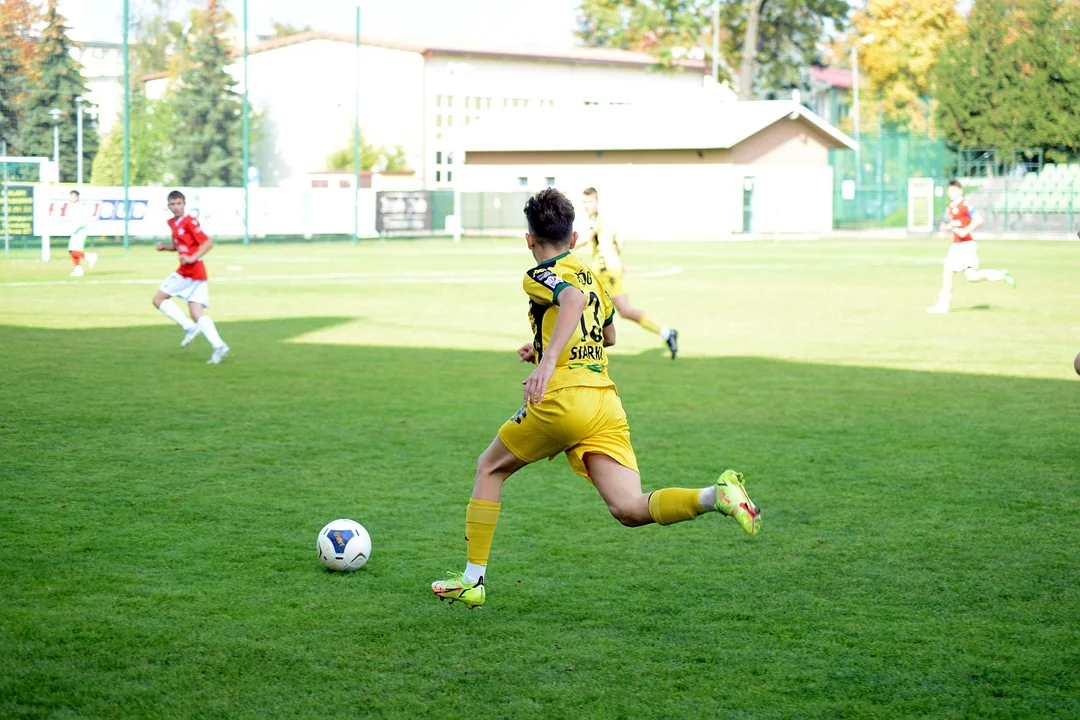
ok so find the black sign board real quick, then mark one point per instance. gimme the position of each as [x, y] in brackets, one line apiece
[396, 211]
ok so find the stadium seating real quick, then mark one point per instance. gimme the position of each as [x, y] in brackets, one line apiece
[1053, 190]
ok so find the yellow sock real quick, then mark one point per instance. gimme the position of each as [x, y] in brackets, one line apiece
[672, 505]
[480, 519]
[649, 324]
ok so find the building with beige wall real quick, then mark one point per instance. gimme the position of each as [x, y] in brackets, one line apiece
[680, 172]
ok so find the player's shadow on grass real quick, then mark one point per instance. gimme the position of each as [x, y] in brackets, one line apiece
[971, 308]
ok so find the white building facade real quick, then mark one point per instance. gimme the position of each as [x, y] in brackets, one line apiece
[422, 97]
[103, 74]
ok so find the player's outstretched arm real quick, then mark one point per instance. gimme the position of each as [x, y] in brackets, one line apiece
[977, 219]
[162, 246]
[571, 307]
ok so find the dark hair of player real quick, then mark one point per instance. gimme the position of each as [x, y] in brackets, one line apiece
[551, 217]
[956, 183]
[75, 193]
[177, 194]
[591, 192]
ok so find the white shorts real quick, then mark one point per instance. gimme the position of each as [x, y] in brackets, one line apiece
[961, 256]
[178, 286]
[77, 241]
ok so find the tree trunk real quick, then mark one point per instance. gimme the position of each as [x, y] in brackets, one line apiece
[749, 52]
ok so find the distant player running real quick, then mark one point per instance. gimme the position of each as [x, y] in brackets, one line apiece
[79, 214]
[572, 406]
[189, 282]
[963, 256]
[607, 263]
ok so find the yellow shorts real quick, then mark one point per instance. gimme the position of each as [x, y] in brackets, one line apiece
[612, 282]
[574, 420]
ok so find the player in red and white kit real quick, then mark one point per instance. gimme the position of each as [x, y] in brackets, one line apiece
[189, 282]
[963, 256]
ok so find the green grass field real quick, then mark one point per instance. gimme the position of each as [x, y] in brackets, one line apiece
[919, 478]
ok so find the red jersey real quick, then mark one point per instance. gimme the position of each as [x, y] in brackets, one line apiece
[187, 236]
[961, 213]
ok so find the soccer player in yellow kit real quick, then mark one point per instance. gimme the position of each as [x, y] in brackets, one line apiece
[607, 262]
[572, 406]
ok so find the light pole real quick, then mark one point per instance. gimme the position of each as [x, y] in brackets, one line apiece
[78, 139]
[55, 115]
[457, 72]
[866, 40]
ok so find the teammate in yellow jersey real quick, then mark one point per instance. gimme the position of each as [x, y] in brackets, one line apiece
[572, 406]
[607, 262]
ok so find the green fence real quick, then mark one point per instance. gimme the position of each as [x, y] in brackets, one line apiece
[493, 212]
[870, 187]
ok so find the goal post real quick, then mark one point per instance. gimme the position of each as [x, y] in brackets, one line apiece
[15, 205]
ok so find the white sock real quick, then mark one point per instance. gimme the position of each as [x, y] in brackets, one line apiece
[995, 274]
[473, 572]
[944, 298]
[665, 333]
[210, 331]
[169, 309]
[708, 498]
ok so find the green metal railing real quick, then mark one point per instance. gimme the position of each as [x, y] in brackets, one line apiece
[874, 193]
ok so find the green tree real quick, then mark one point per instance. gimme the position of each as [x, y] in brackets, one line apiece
[372, 157]
[285, 30]
[208, 129]
[1050, 60]
[55, 85]
[770, 41]
[152, 123]
[908, 37]
[1011, 81]
[158, 40]
[17, 50]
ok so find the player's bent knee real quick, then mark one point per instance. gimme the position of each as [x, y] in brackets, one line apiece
[624, 513]
[492, 463]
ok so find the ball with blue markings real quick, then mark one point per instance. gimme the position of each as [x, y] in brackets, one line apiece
[344, 545]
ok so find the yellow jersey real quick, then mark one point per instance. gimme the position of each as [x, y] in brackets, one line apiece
[583, 362]
[605, 251]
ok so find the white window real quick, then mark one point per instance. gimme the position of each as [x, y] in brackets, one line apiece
[438, 157]
[549, 181]
[438, 120]
[449, 176]
[438, 101]
[523, 182]
[438, 176]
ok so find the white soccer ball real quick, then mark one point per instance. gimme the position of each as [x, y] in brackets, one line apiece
[344, 545]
